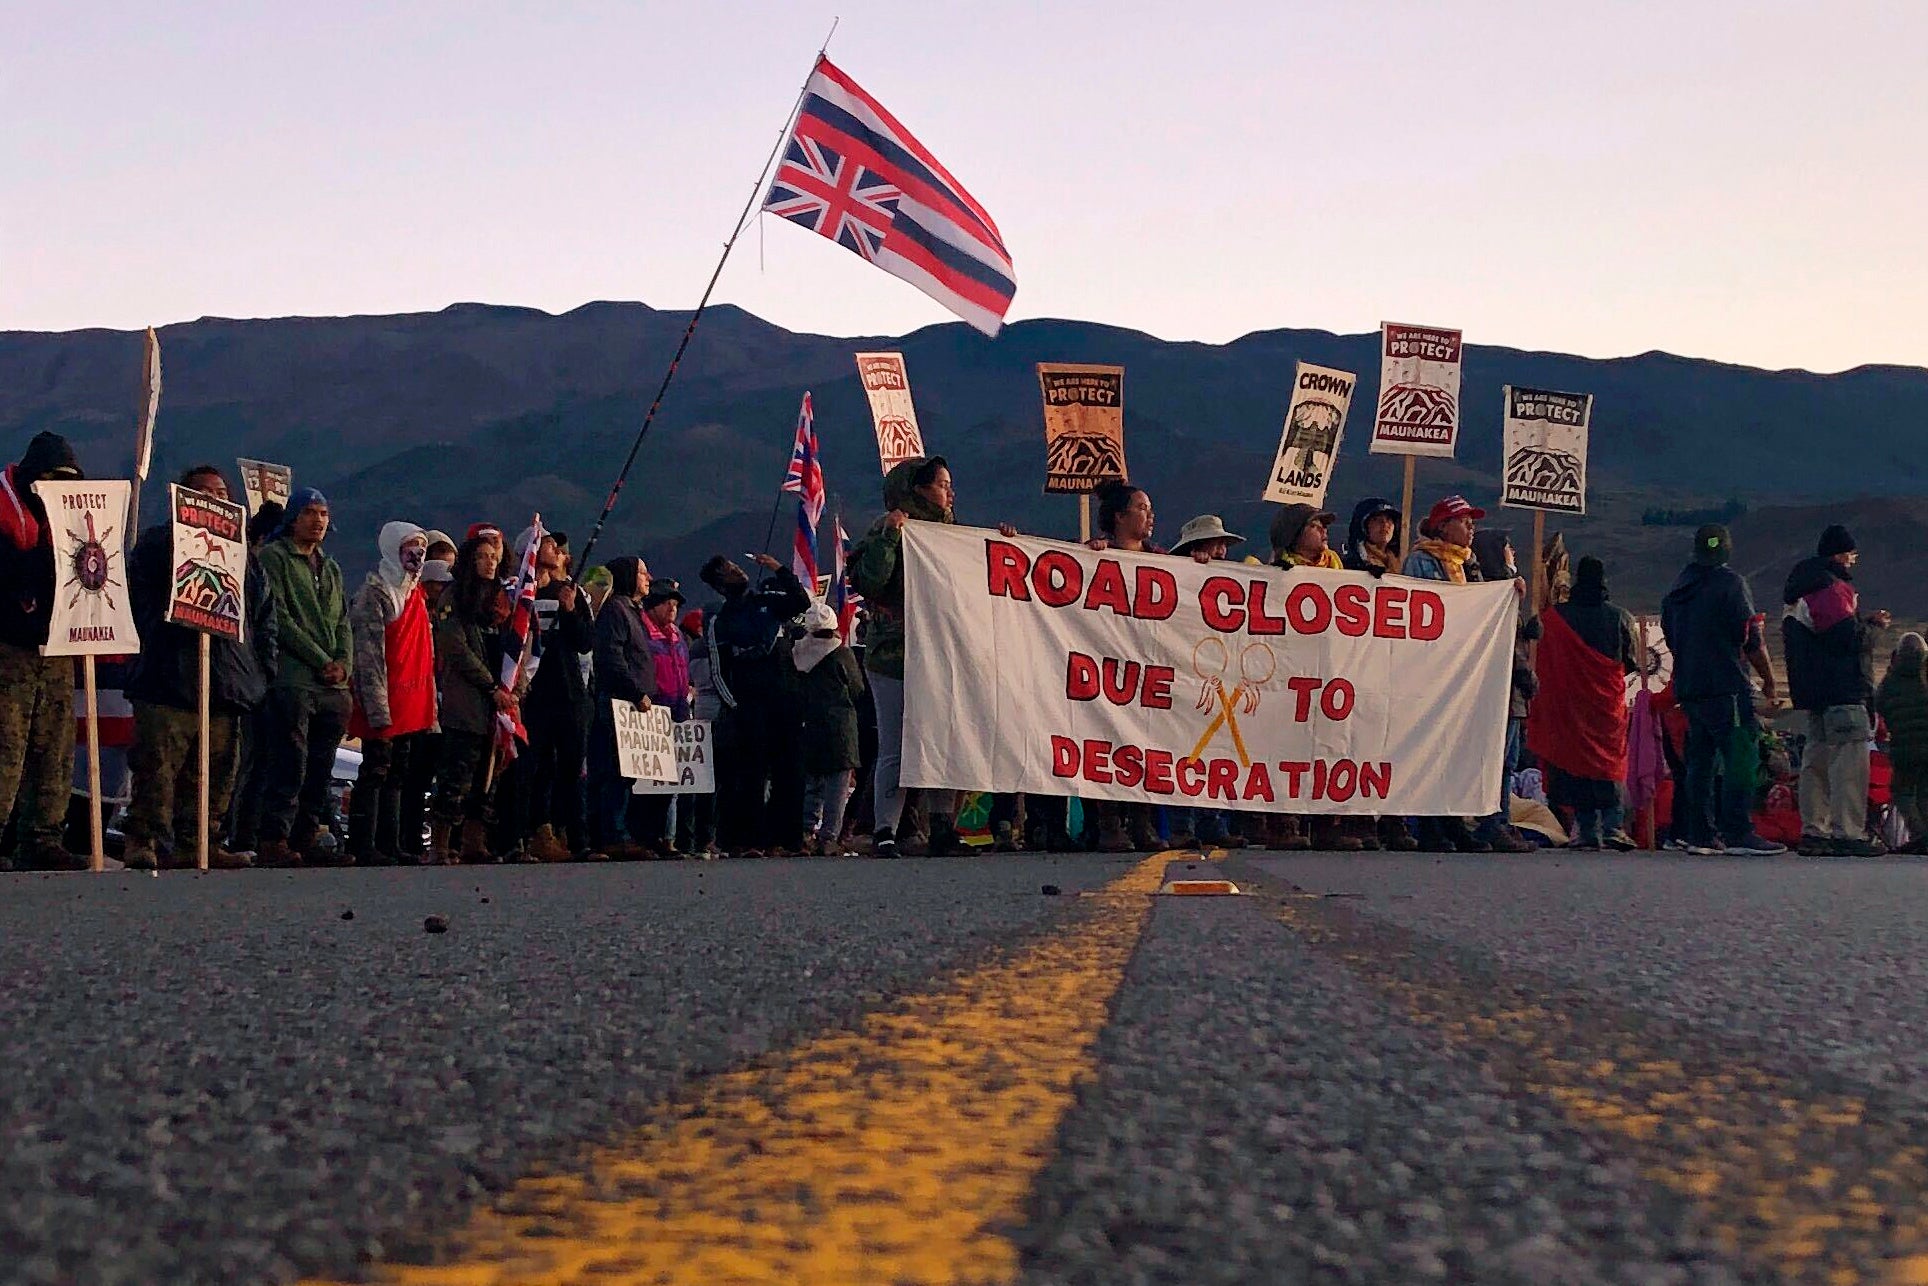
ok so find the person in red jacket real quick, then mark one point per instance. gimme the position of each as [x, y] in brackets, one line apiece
[393, 685]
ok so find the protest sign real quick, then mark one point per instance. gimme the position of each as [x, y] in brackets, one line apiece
[695, 769]
[1315, 423]
[887, 385]
[644, 749]
[1047, 668]
[1084, 426]
[1419, 370]
[1546, 450]
[264, 482]
[210, 558]
[91, 612]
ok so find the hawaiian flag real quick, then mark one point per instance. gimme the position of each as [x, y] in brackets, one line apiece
[844, 601]
[516, 639]
[852, 173]
[805, 481]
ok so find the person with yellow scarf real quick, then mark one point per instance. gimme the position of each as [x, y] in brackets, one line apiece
[1299, 540]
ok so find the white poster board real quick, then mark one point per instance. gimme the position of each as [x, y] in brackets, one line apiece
[695, 763]
[1315, 425]
[1546, 450]
[262, 482]
[645, 750]
[1419, 368]
[92, 615]
[887, 384]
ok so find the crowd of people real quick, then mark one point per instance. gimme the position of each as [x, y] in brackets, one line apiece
[477, 746]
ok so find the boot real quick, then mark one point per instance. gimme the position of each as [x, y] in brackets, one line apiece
[361, 828]
[388, 831]
[1365, 831]
[1394, 835]
[475, 844]
[546, 847]
[1329, 836]
[944, 840]
[439, 853]
[1282, 834]
[1144, 835]
[1112, 837]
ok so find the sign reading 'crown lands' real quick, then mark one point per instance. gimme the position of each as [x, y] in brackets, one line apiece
[1546, 450]
[887, 385]
[1315, 423]
[1418, 391]
[1084, 425]
[210, 559]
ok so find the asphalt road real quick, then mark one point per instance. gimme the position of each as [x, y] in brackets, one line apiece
[1371, 1069]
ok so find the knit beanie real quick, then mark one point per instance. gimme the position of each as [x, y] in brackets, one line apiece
[1835, 540]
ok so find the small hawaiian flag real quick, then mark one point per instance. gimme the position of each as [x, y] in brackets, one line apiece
[805, 481]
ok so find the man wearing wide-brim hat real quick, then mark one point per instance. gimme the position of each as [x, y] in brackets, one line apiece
[1206, 539]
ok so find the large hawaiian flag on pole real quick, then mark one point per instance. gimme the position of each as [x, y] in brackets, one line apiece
[852, 173]
[805, 482]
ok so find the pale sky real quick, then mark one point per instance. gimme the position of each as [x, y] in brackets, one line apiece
[1742, 181]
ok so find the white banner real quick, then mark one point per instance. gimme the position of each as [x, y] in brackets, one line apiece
[695, 769]
[644, 749]
[1046, 668]
[1418, 391]
[887, 385]
[92, 615]
[262, 482]
[1546, 450]
[1315, 424]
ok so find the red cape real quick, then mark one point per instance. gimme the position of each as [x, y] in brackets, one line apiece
[1578, 719]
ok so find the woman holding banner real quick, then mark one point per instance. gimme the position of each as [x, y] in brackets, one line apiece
[919, 489]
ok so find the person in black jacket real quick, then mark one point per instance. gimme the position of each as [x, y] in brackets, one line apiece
[1707, 617]
[165, 692]
[1493, 548]
[1830, 676]
[36, 692]
[626, 672]
[556, 712]
[759, 783]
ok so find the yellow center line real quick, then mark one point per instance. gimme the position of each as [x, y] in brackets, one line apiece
[1735, 1139]
[902, 1151]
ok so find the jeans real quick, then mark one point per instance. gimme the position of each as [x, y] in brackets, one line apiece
[888, 693]
[824, 801]
[1720, 731]
[1834, 774]
[1515, 737]
[1595, 824]
[303, 729]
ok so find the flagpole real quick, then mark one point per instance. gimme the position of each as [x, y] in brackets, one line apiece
[742, 220]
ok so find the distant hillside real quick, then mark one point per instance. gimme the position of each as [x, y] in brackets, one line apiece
[480, 410]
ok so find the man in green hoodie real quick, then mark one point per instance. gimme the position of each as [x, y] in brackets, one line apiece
[308, 703]
[916, 489]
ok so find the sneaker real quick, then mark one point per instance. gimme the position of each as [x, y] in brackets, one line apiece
[1508, 840]
[1815, 845]
[1621, 842]
[1755, 846]
[1712, 849]
[1582, 844]
[884, 844]
[1858, 848]
[1674, 846]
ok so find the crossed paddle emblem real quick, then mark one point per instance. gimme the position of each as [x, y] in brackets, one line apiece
[1243, 696]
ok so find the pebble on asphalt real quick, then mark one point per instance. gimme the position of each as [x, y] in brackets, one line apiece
[348, 914]
[436, 924]
[1051, 890]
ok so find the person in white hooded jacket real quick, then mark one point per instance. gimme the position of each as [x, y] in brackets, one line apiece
[393, 685]
[829, 683]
